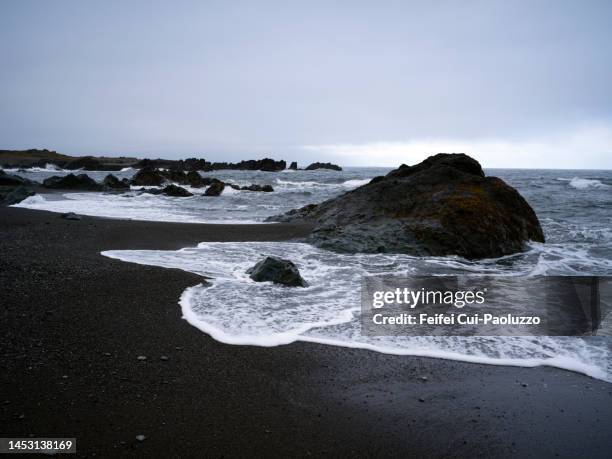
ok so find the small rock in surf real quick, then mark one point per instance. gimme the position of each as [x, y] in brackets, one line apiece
[277, 270]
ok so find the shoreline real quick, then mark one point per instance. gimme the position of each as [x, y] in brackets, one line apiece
[75, 323]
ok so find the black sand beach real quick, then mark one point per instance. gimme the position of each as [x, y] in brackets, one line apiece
[74, 323]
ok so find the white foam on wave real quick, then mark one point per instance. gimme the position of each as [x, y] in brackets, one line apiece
[584, 184]
[355, 183]
[145, 206]
[305, 185]
[48, 168]
[235, 310]
[228, 190]
[30, 202]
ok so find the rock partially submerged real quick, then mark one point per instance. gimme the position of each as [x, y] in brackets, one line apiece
[442, 206]
[72, 182]
[14, 189]
[293, 166]
[147, 176]
[215, 189]
[10, 196]
[330, 166]
[113, 183]
[194, 179]
[12, 180]
[277, 270]
[173, 190]
[253, 187]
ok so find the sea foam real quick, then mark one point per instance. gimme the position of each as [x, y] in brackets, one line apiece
[235, 310]
[584, 184]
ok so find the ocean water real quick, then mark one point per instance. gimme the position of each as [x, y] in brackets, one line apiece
[574, 207]
[292, 189]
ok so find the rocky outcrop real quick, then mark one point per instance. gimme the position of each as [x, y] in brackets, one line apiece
[215, 189]
[148, 176]
[87, 163]
[39, 158]
[293, 166]
[14, 189]
[14, 195]
[173, 190]
[193, 164]
[330, 166]
[72, 182]
[194, 179]
[442, 206]
[111, 182]
[277, 270]
[10, 180]
[253, 187]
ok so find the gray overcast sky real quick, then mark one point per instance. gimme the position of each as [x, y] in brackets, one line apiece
[514, 83]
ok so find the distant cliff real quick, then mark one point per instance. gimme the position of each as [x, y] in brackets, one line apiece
[40, 158]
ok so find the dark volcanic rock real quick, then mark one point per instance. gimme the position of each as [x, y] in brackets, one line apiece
[148, 176]
[173, 190]
[442, 206]
[12, 180]
[193, 164]
[293, 166]
[331, 166]
[150, 190]
[14, 189]
[113, 183]
[303, 213]
[265, 164]
[72, 182]
[90, 163]
[277, 270]
[255, 187]
[215, 189]
[175, 176]
[10, 196]
[194, 179]
[207, 181]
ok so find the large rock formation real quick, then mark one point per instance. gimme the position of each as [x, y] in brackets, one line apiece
[12, 180]
[330, 166]
[72, 182]
[14, 189]
[277, 270]
[194, 179]
[148, 176]
[14, 195]
[215, 189]
[442, 206]
[193, 164]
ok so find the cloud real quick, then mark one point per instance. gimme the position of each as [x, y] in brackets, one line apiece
[589, 146]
